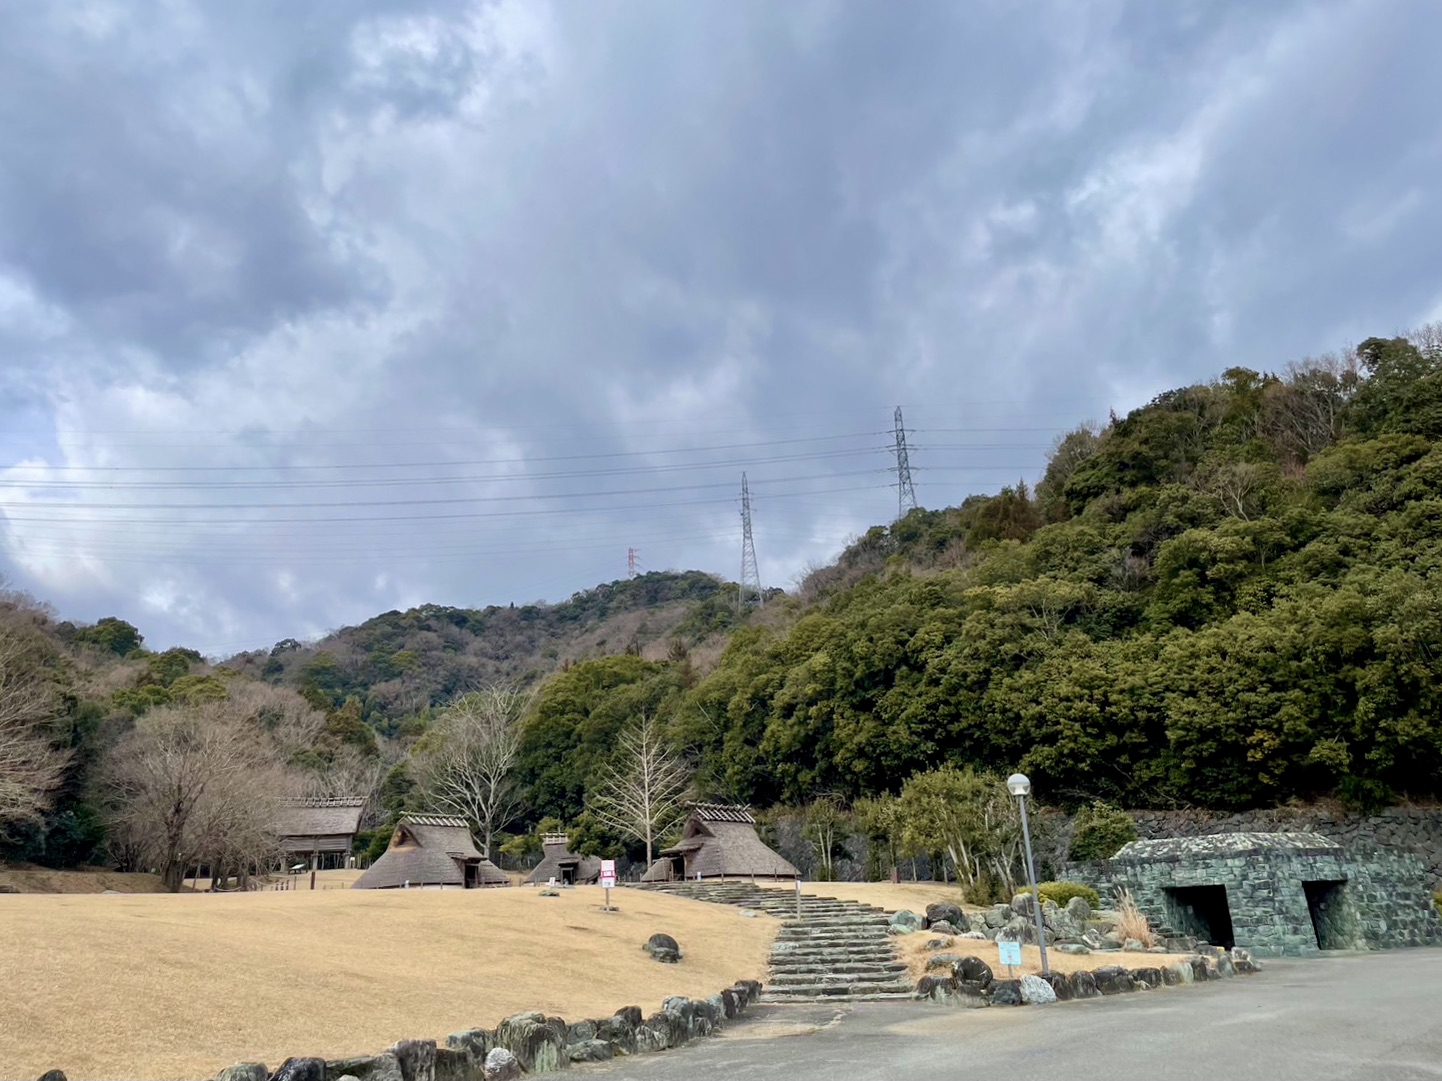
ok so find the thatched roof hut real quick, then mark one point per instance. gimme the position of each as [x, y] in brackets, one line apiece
[719, 841]
[560, 863]
[431, 850]
[319, 825]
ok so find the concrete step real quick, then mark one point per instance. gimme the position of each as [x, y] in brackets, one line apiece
[841, 968]
[811, 979]
[838, 992]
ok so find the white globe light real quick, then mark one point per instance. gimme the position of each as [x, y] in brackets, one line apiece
[1018, 784]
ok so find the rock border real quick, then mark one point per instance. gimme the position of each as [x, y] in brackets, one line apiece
[524, 1043]
[972, 983]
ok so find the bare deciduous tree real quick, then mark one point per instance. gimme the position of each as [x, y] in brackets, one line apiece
[465, 762]
[30, 765]
[197, 782]
[641, 792]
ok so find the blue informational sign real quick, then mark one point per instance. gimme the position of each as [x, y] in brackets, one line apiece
[1009, 953]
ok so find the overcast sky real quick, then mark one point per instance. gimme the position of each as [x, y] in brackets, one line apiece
[313, 310]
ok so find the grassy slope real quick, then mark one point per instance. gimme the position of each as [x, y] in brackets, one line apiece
[162, 986]
[30, 879]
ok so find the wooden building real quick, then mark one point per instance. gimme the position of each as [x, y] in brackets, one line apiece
[719, 841]
[431, 851]
[560, 863]
[320, 831]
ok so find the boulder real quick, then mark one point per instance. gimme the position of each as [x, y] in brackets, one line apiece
[631, 1013]
[974, 972]
[1083, 985]
[1072, 947]
[718, 1008]
[1018, 929]
[1079, 911]
[905, 922]
[48, 1075]
[1178, 974]
[1057, 920]
[946, 912]
[753, 990]
[1113, 980]
[941, 927]
[589, 1051]
[975, 936]
[241, 1071]
[729, 1005]
[1245, 968]
[619, 1032]
[1226, 967]
[1204, 967]
[300, 1069]
[969, 996]
[1132, 945]
[536, 1045]
[938, 943]
[475, 1042]
[1023, 904]
[501, 1065]
[382, 1067]
[996, 916]
[1179, 943]
[1006, 993]
[948, 961]
[417, 1059]
[657, 1033]
[580, 1032]
[1036, 991]
[1147, 977]
[937, 988]
[453, 1065]
[663, 948]
[1060, 985]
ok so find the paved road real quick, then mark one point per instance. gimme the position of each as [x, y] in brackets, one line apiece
[1373, 1016]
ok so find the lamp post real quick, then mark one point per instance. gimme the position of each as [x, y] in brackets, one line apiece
[1019, 785]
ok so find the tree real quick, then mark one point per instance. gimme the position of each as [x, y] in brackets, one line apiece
[640, 792]
[967, 815]
[879, 818]
[31, 767]
[466, 762]
[196, 783]
[825, 819]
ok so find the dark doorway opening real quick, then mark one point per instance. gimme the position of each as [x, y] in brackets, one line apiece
[471, 871]
[678, 868]
[1326, 902]
[568, 876]
[1202, 911]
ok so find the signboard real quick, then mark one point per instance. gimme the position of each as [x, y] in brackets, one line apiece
[1008, 953]
[608, 873]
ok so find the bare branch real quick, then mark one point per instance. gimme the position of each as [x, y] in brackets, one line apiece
[641, 793]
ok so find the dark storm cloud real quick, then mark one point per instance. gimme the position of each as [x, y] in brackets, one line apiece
[390, 232]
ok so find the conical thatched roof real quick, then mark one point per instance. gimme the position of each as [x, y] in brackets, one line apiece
[556, 857]
[430, 850]
[720, 841]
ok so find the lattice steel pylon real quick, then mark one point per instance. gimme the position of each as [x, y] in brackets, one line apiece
[905, 490]
[749, 588]
[631, 555]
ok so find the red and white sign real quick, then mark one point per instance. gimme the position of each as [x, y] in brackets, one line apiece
[608, 873]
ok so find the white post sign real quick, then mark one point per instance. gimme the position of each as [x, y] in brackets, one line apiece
[608, 878]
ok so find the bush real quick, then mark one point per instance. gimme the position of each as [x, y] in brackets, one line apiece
[1437, 899]
[1100, 831]
[1062, 892]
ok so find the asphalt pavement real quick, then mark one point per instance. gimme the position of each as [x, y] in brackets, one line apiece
[1353, 1016]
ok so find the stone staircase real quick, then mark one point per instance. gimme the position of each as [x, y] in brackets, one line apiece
[837, 951]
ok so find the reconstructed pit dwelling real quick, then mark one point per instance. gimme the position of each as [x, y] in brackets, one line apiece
[1276, 894]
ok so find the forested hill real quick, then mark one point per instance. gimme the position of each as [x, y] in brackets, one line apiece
[1229, 597]
[400, 664]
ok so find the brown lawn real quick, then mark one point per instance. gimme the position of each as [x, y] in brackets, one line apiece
[162, 986]
[28, 878]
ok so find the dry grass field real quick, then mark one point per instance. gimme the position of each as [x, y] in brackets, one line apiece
[30, 879]
[914, 953]
[893, 898]
[161, 986]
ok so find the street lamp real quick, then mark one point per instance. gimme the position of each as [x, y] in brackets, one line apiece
[1019, 785]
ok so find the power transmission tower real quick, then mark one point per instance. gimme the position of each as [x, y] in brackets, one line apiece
[905, 490]
[750, 584]
[631, 555]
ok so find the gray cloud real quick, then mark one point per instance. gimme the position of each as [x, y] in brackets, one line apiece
[293, 252]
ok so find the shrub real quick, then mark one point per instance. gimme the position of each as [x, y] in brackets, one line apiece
[1062, 892]
[1100, 831]
[1437, 899]
[1131, 923]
